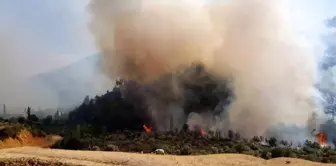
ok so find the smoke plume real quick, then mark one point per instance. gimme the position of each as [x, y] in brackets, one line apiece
[251, 42]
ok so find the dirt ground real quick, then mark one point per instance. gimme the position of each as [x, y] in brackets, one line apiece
[90, 158]
[25, 138]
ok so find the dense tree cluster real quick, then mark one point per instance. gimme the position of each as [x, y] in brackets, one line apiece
[125, 108]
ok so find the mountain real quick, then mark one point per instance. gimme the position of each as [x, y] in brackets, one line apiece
[72, 83]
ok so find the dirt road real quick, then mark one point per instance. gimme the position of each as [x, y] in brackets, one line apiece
[93, 158]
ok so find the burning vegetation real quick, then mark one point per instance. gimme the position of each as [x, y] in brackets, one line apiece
[147, 129]
[128, 106]
[199, 87]
[321, 138]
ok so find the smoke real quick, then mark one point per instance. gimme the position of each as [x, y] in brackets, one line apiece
[251, 43]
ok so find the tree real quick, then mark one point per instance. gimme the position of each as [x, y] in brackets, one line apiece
[231, 134]
[21, 120]
[33, 118]
[126, 106]
[28, 112]
[86, 100]
[185, 127]
[272, 142]
[48, 120]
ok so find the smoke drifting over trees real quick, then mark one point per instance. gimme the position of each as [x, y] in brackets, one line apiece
[271, 73]
[221, 65]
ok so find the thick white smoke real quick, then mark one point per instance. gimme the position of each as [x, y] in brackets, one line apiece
[249, 41]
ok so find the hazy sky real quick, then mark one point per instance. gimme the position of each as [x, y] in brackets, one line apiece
[59, 27]
[37, 36]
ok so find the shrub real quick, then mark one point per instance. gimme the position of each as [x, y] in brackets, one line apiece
[21, 120]
[256, 154]
[253, 146]
[308, 149]
[248, 152]
[266, 154]
[312, 157]
[237, 136]
[37, 133]
[11, 131]
[272, 142]
[214, 149]
[48, 120]
[229, 150]
[256, 139]
[313, 145]
[33, 118]
[186, 150]
[326, 160]
[70, 143]
[230, 134]
[278, 152]
[241, 147]
[331, 159]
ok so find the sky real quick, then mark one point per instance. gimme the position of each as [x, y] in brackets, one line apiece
[60, 27]
[38, 36]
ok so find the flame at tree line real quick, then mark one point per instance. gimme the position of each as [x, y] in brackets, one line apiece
[147, 129]
[127, 97]
[321, 138]
[126, 108]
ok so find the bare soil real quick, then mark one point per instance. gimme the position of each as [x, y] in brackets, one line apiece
[25, 138]
[96, 158]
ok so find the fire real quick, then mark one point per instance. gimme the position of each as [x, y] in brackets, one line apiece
[203, 132]
[322, 138]
[147, 129]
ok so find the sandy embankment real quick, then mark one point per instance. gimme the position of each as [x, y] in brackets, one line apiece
[26, 138]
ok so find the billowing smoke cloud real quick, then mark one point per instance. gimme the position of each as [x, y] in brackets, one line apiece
[251, 42]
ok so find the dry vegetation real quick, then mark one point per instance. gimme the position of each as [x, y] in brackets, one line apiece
[130, 159]
[116, 127]
[18, 135]
[182, 143]
[32, 162]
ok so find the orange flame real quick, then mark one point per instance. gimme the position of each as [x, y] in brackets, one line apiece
[147, 129]
[322, 138]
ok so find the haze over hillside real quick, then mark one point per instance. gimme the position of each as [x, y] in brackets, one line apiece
[70, 84]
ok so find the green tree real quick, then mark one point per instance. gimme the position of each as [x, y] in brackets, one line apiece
[48, 120]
